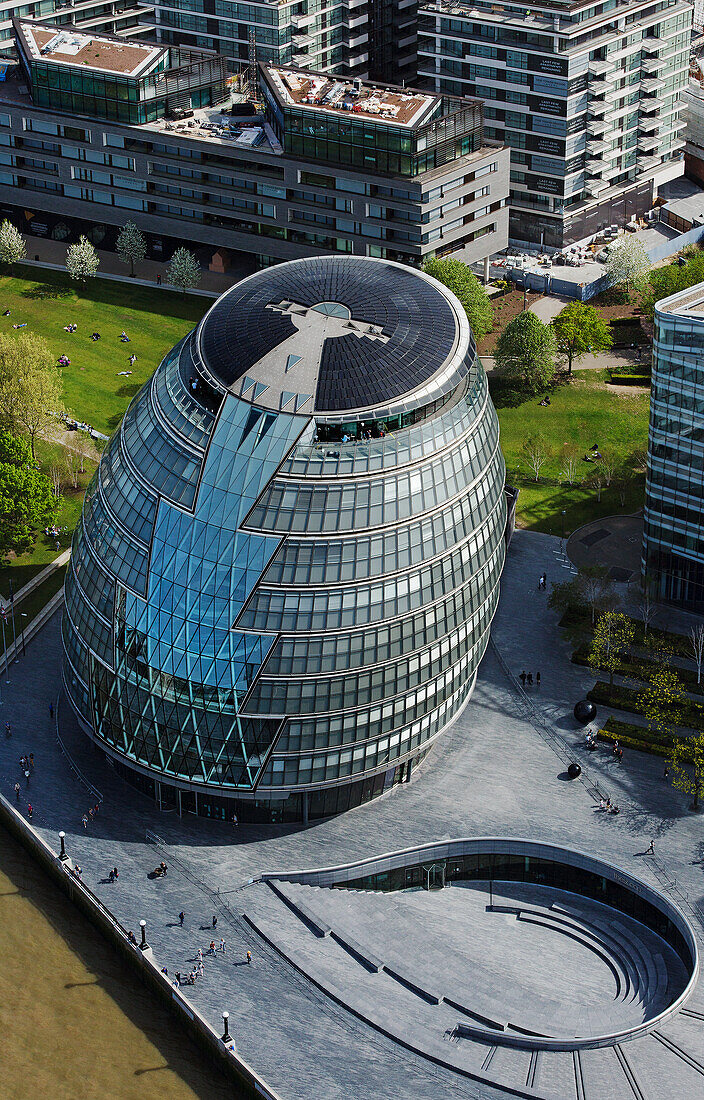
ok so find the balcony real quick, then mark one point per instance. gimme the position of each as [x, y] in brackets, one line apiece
[651, 85]
[598, 85]
[646, 162]
[597, 107]
[597, 147]
[653, 64]
[649, 124]
[599, 67]
[596, 126]
[647, 144]
[595, 186]
[594, 167]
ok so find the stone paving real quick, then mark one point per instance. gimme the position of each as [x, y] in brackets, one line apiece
[492, 774]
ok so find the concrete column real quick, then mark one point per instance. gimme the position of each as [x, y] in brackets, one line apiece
[305, 807]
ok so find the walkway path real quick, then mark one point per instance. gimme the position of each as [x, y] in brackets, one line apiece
[493, 773]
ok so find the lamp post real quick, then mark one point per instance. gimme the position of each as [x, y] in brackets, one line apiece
[563, 513]
[62, 855]
[226, 1027]
[143, 945]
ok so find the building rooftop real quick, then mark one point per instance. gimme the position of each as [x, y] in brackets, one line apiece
[685, 302]
[67, 46]
[318, 93]
[335, 334]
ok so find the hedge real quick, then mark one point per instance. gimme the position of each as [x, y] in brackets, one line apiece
[629, 379]
[625, 699]
[637, 666]
[636, 737]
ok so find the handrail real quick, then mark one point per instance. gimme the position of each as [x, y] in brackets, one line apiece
[72, 763]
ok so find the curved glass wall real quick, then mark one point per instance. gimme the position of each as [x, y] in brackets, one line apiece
[260, 624]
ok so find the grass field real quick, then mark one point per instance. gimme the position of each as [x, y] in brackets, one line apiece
[94, 391]
[580, 414]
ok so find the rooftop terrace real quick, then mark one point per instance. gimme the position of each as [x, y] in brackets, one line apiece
[78, 49]
[319, 93]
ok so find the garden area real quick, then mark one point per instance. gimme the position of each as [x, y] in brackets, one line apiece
[95, 387]
[99, 382]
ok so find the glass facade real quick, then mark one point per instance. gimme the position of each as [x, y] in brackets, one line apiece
[673, 544]
[259, 627]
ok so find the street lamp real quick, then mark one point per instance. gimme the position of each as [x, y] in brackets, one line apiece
[562, 516]
[24, 616]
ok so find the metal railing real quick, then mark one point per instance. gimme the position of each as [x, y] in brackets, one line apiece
[71, 762]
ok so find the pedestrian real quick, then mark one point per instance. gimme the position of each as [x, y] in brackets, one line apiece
[530, 679]
[522, 678]
[158, 279]
[51, 710]
[96, 807]
[17, 791]
[201, 969]
[181, 918]
[215, 921]
[8, 730]
[26, 775]
[651, 850]
[222, 945]
[199, 953]
[666, 772]
[111, 876]
[84, 820]
[131, 937]
[29, 810]
[31, 760]
[115, 874]
[537, 679]
[545, 581]
[249, 958]
[90, 813]
[234, 819]
[78, 870]
[211, 949]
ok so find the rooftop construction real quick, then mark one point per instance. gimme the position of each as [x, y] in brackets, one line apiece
[317, 92]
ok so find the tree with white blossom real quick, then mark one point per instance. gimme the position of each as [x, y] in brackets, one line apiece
[131, 245]
[82, 260]
[184, 270]
[12, 246]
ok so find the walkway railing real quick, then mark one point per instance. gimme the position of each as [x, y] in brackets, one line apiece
[558, 745]
[71, 762]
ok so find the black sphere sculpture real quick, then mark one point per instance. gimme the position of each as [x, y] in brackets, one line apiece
[574, 770]
[584, 712]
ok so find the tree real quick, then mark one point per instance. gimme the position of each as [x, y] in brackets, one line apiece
[535, 451]
[184, 270]
[82, 260]
[661, 699]
[466, 286]
[687, 761]
[131, 245]
[607, 469]
[647, 607]
[611, 643]
[568, 472]
[591, 587]
[30, 385]
[696, 645]
[26, 500]
[12, 246]
[526, 350]
[579, 329]
[597, 589]
[628, 264]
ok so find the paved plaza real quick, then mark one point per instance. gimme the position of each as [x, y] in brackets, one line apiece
[498, 772]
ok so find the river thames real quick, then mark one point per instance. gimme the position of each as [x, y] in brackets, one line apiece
[74, 1022]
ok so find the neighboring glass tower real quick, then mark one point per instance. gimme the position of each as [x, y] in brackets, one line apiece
[673, 543]
[289, 559]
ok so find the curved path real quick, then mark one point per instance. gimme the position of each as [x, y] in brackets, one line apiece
[492, 774]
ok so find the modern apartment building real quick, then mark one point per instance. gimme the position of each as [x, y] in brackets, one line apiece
[585, 94]
[673, 543]
[124, 18]
[330, 167]
[693, 117]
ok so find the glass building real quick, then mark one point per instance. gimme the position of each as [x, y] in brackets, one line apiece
[673, 542]
[289, 558]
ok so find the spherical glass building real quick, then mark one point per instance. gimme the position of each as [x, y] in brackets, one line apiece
[289, 558]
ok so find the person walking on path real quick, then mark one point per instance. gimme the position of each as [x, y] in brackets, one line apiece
[26, 775]
[17, 791]
[181, 918]
[31, 760]
[222, 945]
[215, 921]
[249, 958]
[51, 711]
[30, 811]
[537, 679]
[666, 772]
[651, 850]
[522, 678]
[530, 679]
[84, 820]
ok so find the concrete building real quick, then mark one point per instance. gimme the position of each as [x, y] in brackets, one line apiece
[288, 561]
[124, 18]
[673, 544]
[693, 117]
[365, 170]
[585, 94]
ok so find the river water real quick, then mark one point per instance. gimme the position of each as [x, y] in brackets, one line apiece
[75, 1024]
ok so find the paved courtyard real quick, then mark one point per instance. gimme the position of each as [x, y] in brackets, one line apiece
[499, 771]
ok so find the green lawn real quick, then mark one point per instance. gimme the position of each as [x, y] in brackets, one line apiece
[580, 414]
[93, 389]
